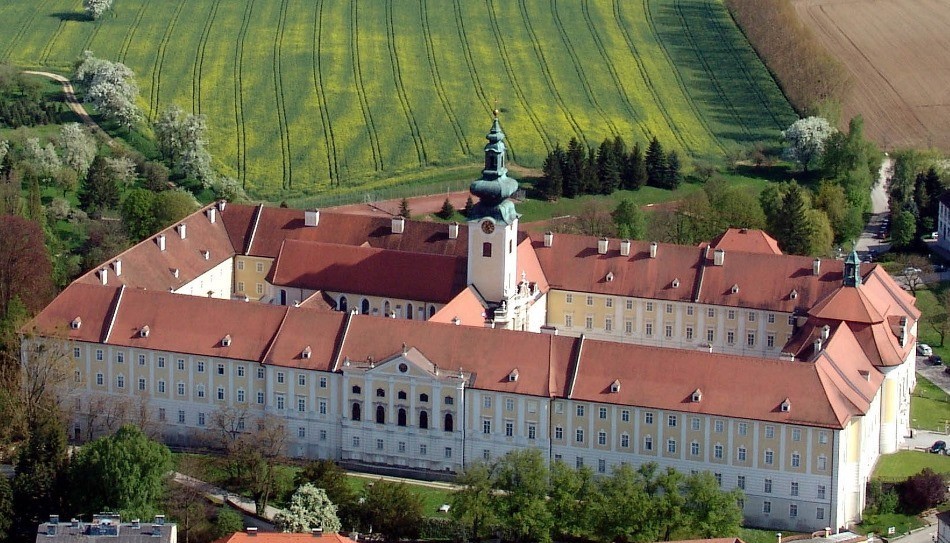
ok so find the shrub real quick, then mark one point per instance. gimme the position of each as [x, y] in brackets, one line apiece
[922, 491]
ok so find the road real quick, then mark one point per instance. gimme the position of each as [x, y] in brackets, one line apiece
[879, 209]
[74, 104]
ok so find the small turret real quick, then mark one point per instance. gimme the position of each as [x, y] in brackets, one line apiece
[852, 270]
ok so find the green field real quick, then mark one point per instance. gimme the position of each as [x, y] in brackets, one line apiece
[303, 96]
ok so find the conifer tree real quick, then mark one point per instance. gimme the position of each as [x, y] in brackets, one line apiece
[635, 171]
[608, 168]
[672, 174]
[655, 163]
[792, 228]
[404, 208]
[469, 206]
[447, 210]
[573, 168]
[551, 185]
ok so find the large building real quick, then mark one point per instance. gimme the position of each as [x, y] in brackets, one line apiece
[428, 346]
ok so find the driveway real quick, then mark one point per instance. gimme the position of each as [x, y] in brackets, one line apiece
[879, 209]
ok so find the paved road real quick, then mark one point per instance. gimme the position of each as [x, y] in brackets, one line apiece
[219, 495]
[74, 103]
[879, 210]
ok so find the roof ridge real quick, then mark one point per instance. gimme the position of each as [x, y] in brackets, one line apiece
[255, 222]
[273, 339]
[701, 274]
[339, 345]
[577, 366]
[114, 313]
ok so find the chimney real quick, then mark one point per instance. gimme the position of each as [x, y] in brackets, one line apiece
[136, 524]
[251, 530]
[653, 246]
[311, 217]
[160, 520]
[825, 332]
[74, 522]
[160, 240]
[221, 205]
[316, 532]
[454, 230]
[719, 256]
[625, 247]
[54, 519]
[212, 214]
[104, 276]
[779, 536]
[549, 330]
[816, 267]
[548, 238]
[398, 224]
[183, 230]
[602, 244]
[117, 266]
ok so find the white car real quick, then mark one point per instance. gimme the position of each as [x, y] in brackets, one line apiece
[924, 350]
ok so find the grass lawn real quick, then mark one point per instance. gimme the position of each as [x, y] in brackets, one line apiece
[880, 523]
[903, 464]
[929, 406]
[432, 498]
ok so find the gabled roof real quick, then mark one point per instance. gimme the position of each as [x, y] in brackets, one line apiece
[260, 231]
[145, 265]
[301, 328]
[366, 270]
[468, 307]
[846, 304]
[746, 240]
[276, 537]
[91, 304]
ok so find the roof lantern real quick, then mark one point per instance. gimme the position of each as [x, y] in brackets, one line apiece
[852, 270]
[495, 187]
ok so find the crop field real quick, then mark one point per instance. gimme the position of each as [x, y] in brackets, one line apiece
[898, 57]
[310, 96]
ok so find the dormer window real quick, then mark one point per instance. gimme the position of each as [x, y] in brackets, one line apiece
[76, 323]
[697, 396]
[610, 277]
[615, 386]
[306, 353]
[144, 332]
[793, 295]
[786, 406]
[226, 341]
[735, 289]
[513, 376]
[676, 283]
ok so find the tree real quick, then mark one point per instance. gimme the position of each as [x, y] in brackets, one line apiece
[309, 508]
[805, 140]
[392, 510]
[711, 512]
[629, 220]
[922, 491]
[903, 229]
[227, 522]
[790, 225]
[404, 208]
[846, 220]
[672, 176]
[25, 269]
[522, 478]
[473, 503]
[122, 169]
[251, 450]
[655, 163]
[77, 147]
[469, 206]
[187, 506]
[569, 497]
[95, 8]
[171, 206]
[913, 269]
[122, 472]
[551, 184]
[6, 508]
[608, 167]
[447, 210]
[99, 191]
[621, 509]
[182, 140]
[155, 175]
[635, 170]
[333, 480]
[137, 213]
[39, 473]
[42, 162]
[573, 169]
[940, 322]
[111, 87]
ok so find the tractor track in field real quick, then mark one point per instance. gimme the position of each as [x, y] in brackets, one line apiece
[437, 79]
[743, 66]
[579, 68]
[723, 97]
[239, 95]
[287, 179]
[401, 89]
[200, 58]
[316, 66]
[647, 80]
[155, 90]
[48, 48]
[470, 62]
[130, 35]
[679, 76]
[506, 61]
[546, 71]
[360, 91]
[23, 30]
[92, 36]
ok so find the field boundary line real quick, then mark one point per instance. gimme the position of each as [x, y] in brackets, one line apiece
[130, 35]
[92, 36]
[709, 71]
[503, 52]
[22, 30]
[286, 182]
[400, 89]
[239, 95]
[317, 70]
[470, 62]
[360, 91]
[160, 62]
[437, 79]
[546, 71]
[48, 48]
[200, 58]
[579, 68]
[679, 76]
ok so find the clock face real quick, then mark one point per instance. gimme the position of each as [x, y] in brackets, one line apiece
[488, 227]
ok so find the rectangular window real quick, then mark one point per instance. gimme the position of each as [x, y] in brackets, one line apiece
[589, 322]
[791, 320]
[558, 433]
[625, 441]
[221, 393]
[766, 507]
[710, 335]
[260, 267]
[769, 431]
[161, 362]
[718, 426]
[689, 333]
[76, 352]
[769, 458]
[141, 383]
[509, 404]
[711, 313]
[671, 421]
[280, 377]
[750, 339]
[671, 446]
[608, 302]
[767, 488]
[792, 510]
[694, 448]
[301, 405]
[569, 298]
[579, 436]
[740, 482]
[608, 324]
[323, 435]
[731, 314]
[602, 413]
[689, 310]
[601, 466]
[694, 423]
[771, 318]
[380, 444]
[793, 489]
[648, 443]
[280, 401]
[161, 413]
[301, 380]
[601, 438]
[141, 360]
[579, 410]
[77, 376]
[120, 357]
[260, 398]
[820, 513]
[181, 389]
[240, 264]
[718, 477]
[568, 320]
[648, 417]
[532, 431]
[260, 373]
[181, 364]
[743, 428]
[240, 286]
[448, 452]
[731, 337]
[240, 395]
[668, 331]
[796, 434]
[625, 415]
[120, 381]
[201, 366]
[322, 407]
[240, 371]
[260, 288]
[649, 306]
[770, 341]
[796, 460]
[628, 327]
[301, 432]
[356, 441]
[486, 402]
[220, 369]
[648, 329]
[486, 426]
[486, 454]
[99, 354]
[579, 462]
[717, 452]
[669, 309]
[423, 449]
[751, 316]
[161, 387]
[822, 437]
[590, 300]
[181, 417]
[741, 454]
[629, 304]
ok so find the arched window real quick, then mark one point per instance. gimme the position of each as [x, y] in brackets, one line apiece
[447, 425]
[283, 297]
[357, 389]
[449, 400]
[486, 249]
[401, 394]
[423, 420]
[386, 308]
[401, 417]
[380, 393]
[343, 304]
[356, 412]
[364, 306]
[424, 398]
[409, 311]
[431, 311]
[380, 414]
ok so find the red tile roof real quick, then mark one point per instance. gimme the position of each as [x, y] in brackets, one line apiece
[145, 265]
[746, 240]
[302, 328]
[365, 270]
[272, 537]
[467, 306]
[90, 303]
[846, 304]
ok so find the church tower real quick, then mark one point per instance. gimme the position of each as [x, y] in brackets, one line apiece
[493, 225]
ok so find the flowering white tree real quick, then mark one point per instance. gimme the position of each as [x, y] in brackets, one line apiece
[309, 508]
[43, 161]
[181, 139]
[805, 140]
[95, 8]
[4, 149]
[111, 87]
[122, 169]
[78, 147]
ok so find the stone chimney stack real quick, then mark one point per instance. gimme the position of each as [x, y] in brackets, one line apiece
[398, 224]
[602, 245]
[719, 256]
[454, 230]
[653, 247]
[625, 247]
[548, 239]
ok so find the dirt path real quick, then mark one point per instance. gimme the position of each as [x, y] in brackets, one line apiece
[74, 104]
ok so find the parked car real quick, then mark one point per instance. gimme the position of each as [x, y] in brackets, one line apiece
[912, 271]
[924, 350]
[939, 447]
[935, 359]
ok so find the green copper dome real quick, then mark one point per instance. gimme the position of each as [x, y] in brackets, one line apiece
[495, 187]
